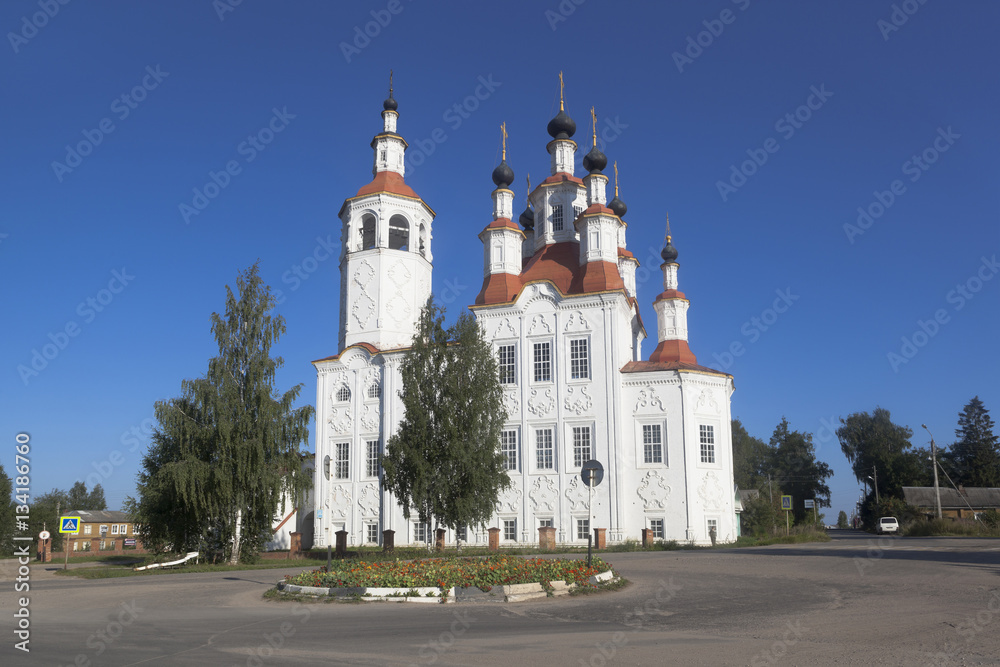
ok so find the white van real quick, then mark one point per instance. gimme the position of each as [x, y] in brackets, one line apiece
[887, 524]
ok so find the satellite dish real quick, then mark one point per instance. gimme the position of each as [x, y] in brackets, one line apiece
[598, 470]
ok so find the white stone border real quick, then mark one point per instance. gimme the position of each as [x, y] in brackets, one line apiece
[433, 594]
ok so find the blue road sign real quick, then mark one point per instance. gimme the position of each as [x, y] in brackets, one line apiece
[69, 524]
[786, 502]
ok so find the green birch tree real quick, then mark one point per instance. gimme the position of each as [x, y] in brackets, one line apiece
[444, 463]
[226, 454]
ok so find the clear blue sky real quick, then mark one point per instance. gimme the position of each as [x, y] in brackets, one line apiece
[208, 79]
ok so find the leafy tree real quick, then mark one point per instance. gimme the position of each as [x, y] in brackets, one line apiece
[7, 520]
[842, 520]
[795, 468]
[876, 447]
[976, 455]
[761, 516]
[226, 454]
[44, 513]
[444, 462]
[95, 499]
[750, 458]
[80, 499]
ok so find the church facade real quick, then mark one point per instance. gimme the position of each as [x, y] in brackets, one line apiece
[558, 303]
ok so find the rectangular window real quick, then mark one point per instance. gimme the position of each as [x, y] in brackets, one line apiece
[581, 446]
[545, 523]
[544, 449]
[420, 531]
[713, 527]
[577, 210]
[652, 443]
[462, 533]
[582, 528]
[507, 365]
[656, 525]
[579, 359]
[114, 529]
[371, 458]
[557, 217]
[508, 446]
[371, 533]
[707, 436]
[510, 529]
[341, 466]
[123, 529]
[86, 529]
[543, 362]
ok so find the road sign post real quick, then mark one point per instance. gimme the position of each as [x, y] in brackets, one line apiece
[592, 474]
[811, 503]
[786, 504]
[70, 525]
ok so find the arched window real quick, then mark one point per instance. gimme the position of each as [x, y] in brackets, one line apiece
[343, 394]
[326, 467]
[367, 232]
[399, 233]
[375, 390]
[423, 241]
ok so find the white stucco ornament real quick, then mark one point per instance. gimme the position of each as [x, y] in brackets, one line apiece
[653, 490]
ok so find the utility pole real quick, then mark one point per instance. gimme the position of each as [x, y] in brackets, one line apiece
[937, 489]
[874, 480]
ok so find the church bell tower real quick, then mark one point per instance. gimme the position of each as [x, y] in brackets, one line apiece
[386, 261]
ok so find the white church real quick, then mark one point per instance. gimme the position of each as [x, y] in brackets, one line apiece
[558, 302]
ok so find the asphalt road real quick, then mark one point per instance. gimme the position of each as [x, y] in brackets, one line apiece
[858, 600]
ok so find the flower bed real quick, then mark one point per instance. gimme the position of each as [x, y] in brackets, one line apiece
[446, 573]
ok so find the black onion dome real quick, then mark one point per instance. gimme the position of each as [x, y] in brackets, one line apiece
[527, 219]
[562, 126]
[503, 175]
[390, 103]
[669, 252]
[595, 161]
[618, 207]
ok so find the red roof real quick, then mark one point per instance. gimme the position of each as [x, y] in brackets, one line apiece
[561, 177]
[503, 223]
[388, 181]
[653, 366]
[559, 265]
[673, 351]
[594, 209]
[669, 294]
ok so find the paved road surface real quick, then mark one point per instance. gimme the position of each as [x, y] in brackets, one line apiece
[858, 600]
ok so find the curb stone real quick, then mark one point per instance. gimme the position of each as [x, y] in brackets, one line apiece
[510, 593]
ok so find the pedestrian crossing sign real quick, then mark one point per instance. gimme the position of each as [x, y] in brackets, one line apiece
[69, 524]
[786, 503]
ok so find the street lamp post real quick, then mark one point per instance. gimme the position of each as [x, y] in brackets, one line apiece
[937, 489]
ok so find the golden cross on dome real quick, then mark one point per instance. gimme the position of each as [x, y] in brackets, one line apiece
[616, 177]
[503, 131]
[390, 83]
[593, 118]
[668, 227]
[529, 183]
[561, 104]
